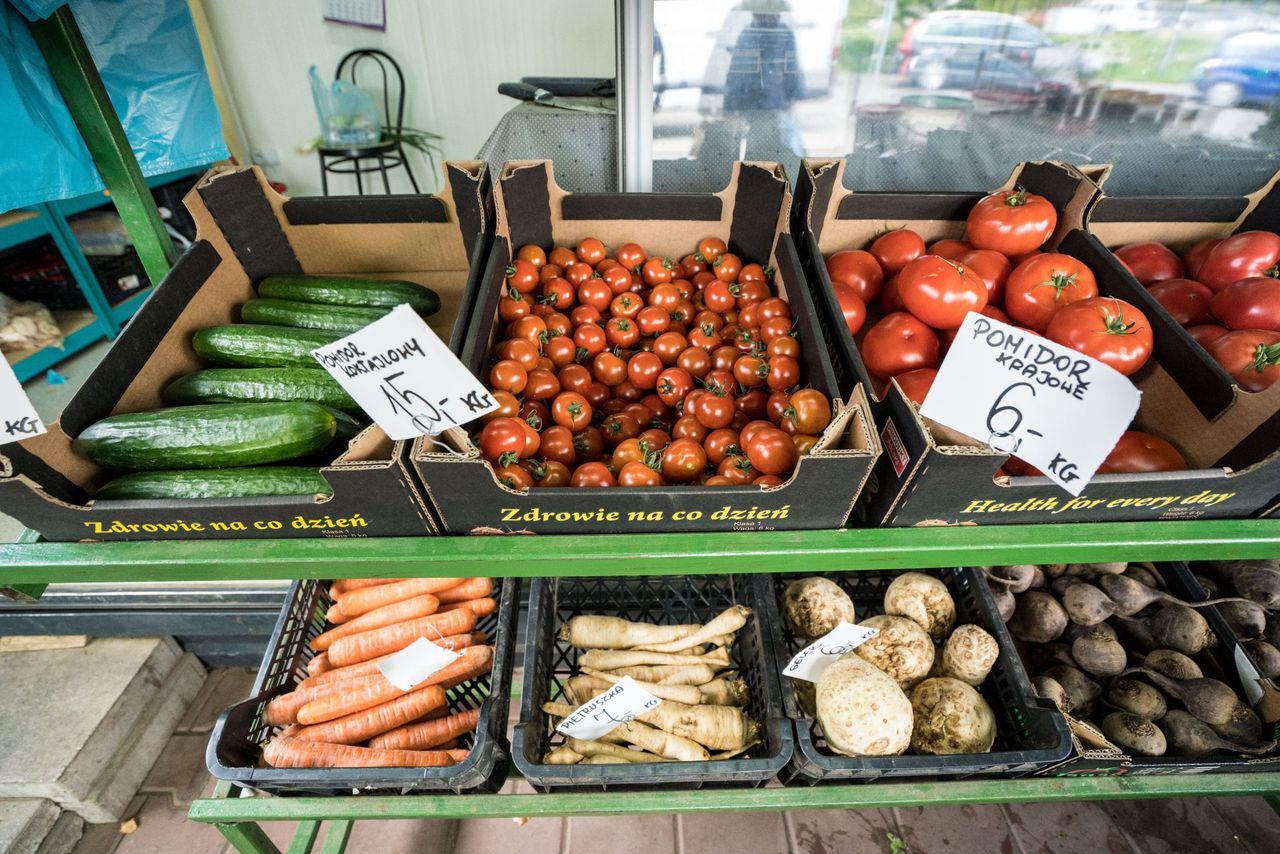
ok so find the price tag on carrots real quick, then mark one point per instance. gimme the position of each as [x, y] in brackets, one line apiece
[415, 663]
[18, 418]
[622, 703]
[1022, 394]
[809, 663]
[404, 376]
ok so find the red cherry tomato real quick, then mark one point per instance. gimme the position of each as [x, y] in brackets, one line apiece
[948, 248]
[1141, 452]
[1252, 357]
[857, 269]
[503, 439]
[590, 251]
[1241, 256]
[809, 411]
[1110, 330]
[992, 267]
[1186, 301]
[941, 292]
[771, 451]
[1151, 262]
[851, 306]
[683, 461]
[899, 343]
[727, 267]
[643, 370]
[522, 276]
[737, 469]
[1252, 303]
[896, 249]
[710, 249]
[592, 474]
[1011, 221]
[508, 375]
[557, 444]
[570, 409]
[1040, 286]
[915, 384]
[630, 256]
[714, 410]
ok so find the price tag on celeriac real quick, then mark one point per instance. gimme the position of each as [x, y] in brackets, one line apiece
[18, 418]
[404, 376]
[809, 663]
[623, 702]
[1022, 394]
[416, 662]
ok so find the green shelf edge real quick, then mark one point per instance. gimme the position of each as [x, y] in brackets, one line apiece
[638, 554]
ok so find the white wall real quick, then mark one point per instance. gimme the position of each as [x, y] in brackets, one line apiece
[454, 53]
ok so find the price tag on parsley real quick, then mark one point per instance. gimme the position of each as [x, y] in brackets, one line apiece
[622, 702]
[18, 418]
[404, 376]
[1057, 409]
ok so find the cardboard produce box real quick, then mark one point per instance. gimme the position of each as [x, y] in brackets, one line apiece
[930, 475]
[246, 232]
[751, 216]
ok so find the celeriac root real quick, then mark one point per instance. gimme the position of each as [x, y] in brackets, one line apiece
[727, 623]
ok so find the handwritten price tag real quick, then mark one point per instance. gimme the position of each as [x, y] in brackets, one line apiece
[623, 702]
[18, 418]
[416, 662]
[1058, 409]
[809, 663]
[404, 376]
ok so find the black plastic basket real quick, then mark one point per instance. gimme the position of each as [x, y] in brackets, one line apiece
[1030, 733]
[548, 663]
[235, 747]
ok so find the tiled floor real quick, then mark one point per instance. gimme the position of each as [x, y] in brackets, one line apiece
[1204, 825]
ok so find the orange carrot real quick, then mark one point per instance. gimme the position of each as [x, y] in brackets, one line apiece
[479, 607]
[346, 585]
[366, 645]
[335, 616]
[319, 664]
[284, 709]
[428, 734]
[366, 723]
[296, 753]
[396, 612]
[346, 698]
[364, 668]
[357, 602]
[470, 588]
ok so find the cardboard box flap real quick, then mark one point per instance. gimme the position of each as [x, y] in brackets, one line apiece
[240, 205]
[1264, 207]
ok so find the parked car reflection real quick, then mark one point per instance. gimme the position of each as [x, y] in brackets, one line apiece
[1244, 70]
[979, 50]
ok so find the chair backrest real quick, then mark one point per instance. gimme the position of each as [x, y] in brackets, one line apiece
[382, 64]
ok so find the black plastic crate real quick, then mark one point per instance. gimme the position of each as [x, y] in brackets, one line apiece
[666, 600]
[235, 747]
[121, 276]
[1030, 733]
[37, 271]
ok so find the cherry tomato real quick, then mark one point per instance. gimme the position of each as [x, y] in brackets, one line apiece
[915, 384]
[579, 273]
[653, 320]
[1241, 256]
[598, 293]
[1186, 301]
[752, 273]
[643, 370]
[636, 473]
[737, 469]
[622, 332]
[513, 476]
[590, 338]
[519, 350]
[727, 267]
[558, 444]
[1195, 256]
[771, 451]
[804, 443]
[629, 451]
[723, 358]
[710, 249]
[713, 410]
[941, 292]
[596, 394]
[695, 360]
[750, 371]
[655, 437]
[720, 444]
[522, 276]
[503, 439]
[630, 255]
[1012, 222]
[532, 253]
[548, 473]
[561, 256]
[508, 375]
[899, 343]
[1252, 303]
[1141, 452]
[588, 444]
[894, 250]
[590, 251]
[1040, 286]
[990, 266]
[541, 385]
[720, 296]
[508, 405]
[673, 384]
[584, 315]
[531, 422]
[683, 461]
[858, 270]
[513, 307]
[1108, 329]
[784, 372]
[689, 427]
[560, 349]
[949, 248]
[549, 271]
[750, 293]
[570, 409]
[693, 265]
[608, 368]
[784, 345]
[1252, 357]
[1150, 262]
[809, 412]
[1206, 333]
[592, 475]
[656, 271]
[558, 293]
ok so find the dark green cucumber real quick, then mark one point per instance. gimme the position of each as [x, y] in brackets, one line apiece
[340, 290]
[348, 427]
[250, 346]
[310, 315]
[252, 385]
[216, 435]
[216, 483]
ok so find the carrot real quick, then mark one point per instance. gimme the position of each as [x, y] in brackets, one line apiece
[428, 734]
[366, 723]
[296, 753]
[396, 612]
[470, 588]
[335, 616]
[480, 607]
[319, 664]
[345, 698]
[364, 668]
[346, 585]
[474, 661]
[284, 709]
[357, 602]
[375, 642]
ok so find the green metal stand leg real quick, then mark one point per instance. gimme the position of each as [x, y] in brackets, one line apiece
[305, 837]
[335, 841]
[247, 837]
[24, 592]
[77, 77]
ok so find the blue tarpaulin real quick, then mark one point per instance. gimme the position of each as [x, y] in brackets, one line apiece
[150, 61]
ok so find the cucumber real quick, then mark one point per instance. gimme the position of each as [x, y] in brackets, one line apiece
[216, 435]
[348, 427]
[216, 483]
[310, 315]
[250, 385]
[339, 290]
[250, 346]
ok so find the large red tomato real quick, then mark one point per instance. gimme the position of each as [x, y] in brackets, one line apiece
[1186, 301]
[941, 292]
[859, 270]
[1011, 221]
[1151, 262]
[916, 384]
[1206, 333]
[1195, 256]
[1241, 256]
[1041, 285]
[851, 306]
[897, 344]
[1141, 452]
[1108, 329]
[896, 249]
[1252, 303]
[990, 266]
[1252, 357]
[949, 248]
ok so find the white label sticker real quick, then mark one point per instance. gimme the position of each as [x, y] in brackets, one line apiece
[404, 376]
[809, 663]
[18, 418]
[1249, 675]
[1022, 394]
[623, 702]
[417, 661]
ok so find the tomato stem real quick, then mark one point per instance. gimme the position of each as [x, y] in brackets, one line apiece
[1115, 325]
[1059, 282]
[1266, 356]
[1018, 197]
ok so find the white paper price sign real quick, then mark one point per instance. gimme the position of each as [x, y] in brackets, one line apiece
[1022, 394]
[809, 663]
[404, 376]
[623, 702]
[417, 661]
[18, 418]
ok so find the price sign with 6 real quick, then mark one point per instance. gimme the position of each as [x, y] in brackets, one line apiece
[1057, 409]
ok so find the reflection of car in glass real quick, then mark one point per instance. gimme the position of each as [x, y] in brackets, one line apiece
[977, 50]
[1099, 16]
[1244, 69]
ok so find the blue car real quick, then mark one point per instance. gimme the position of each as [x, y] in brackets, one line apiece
[1244, 70]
